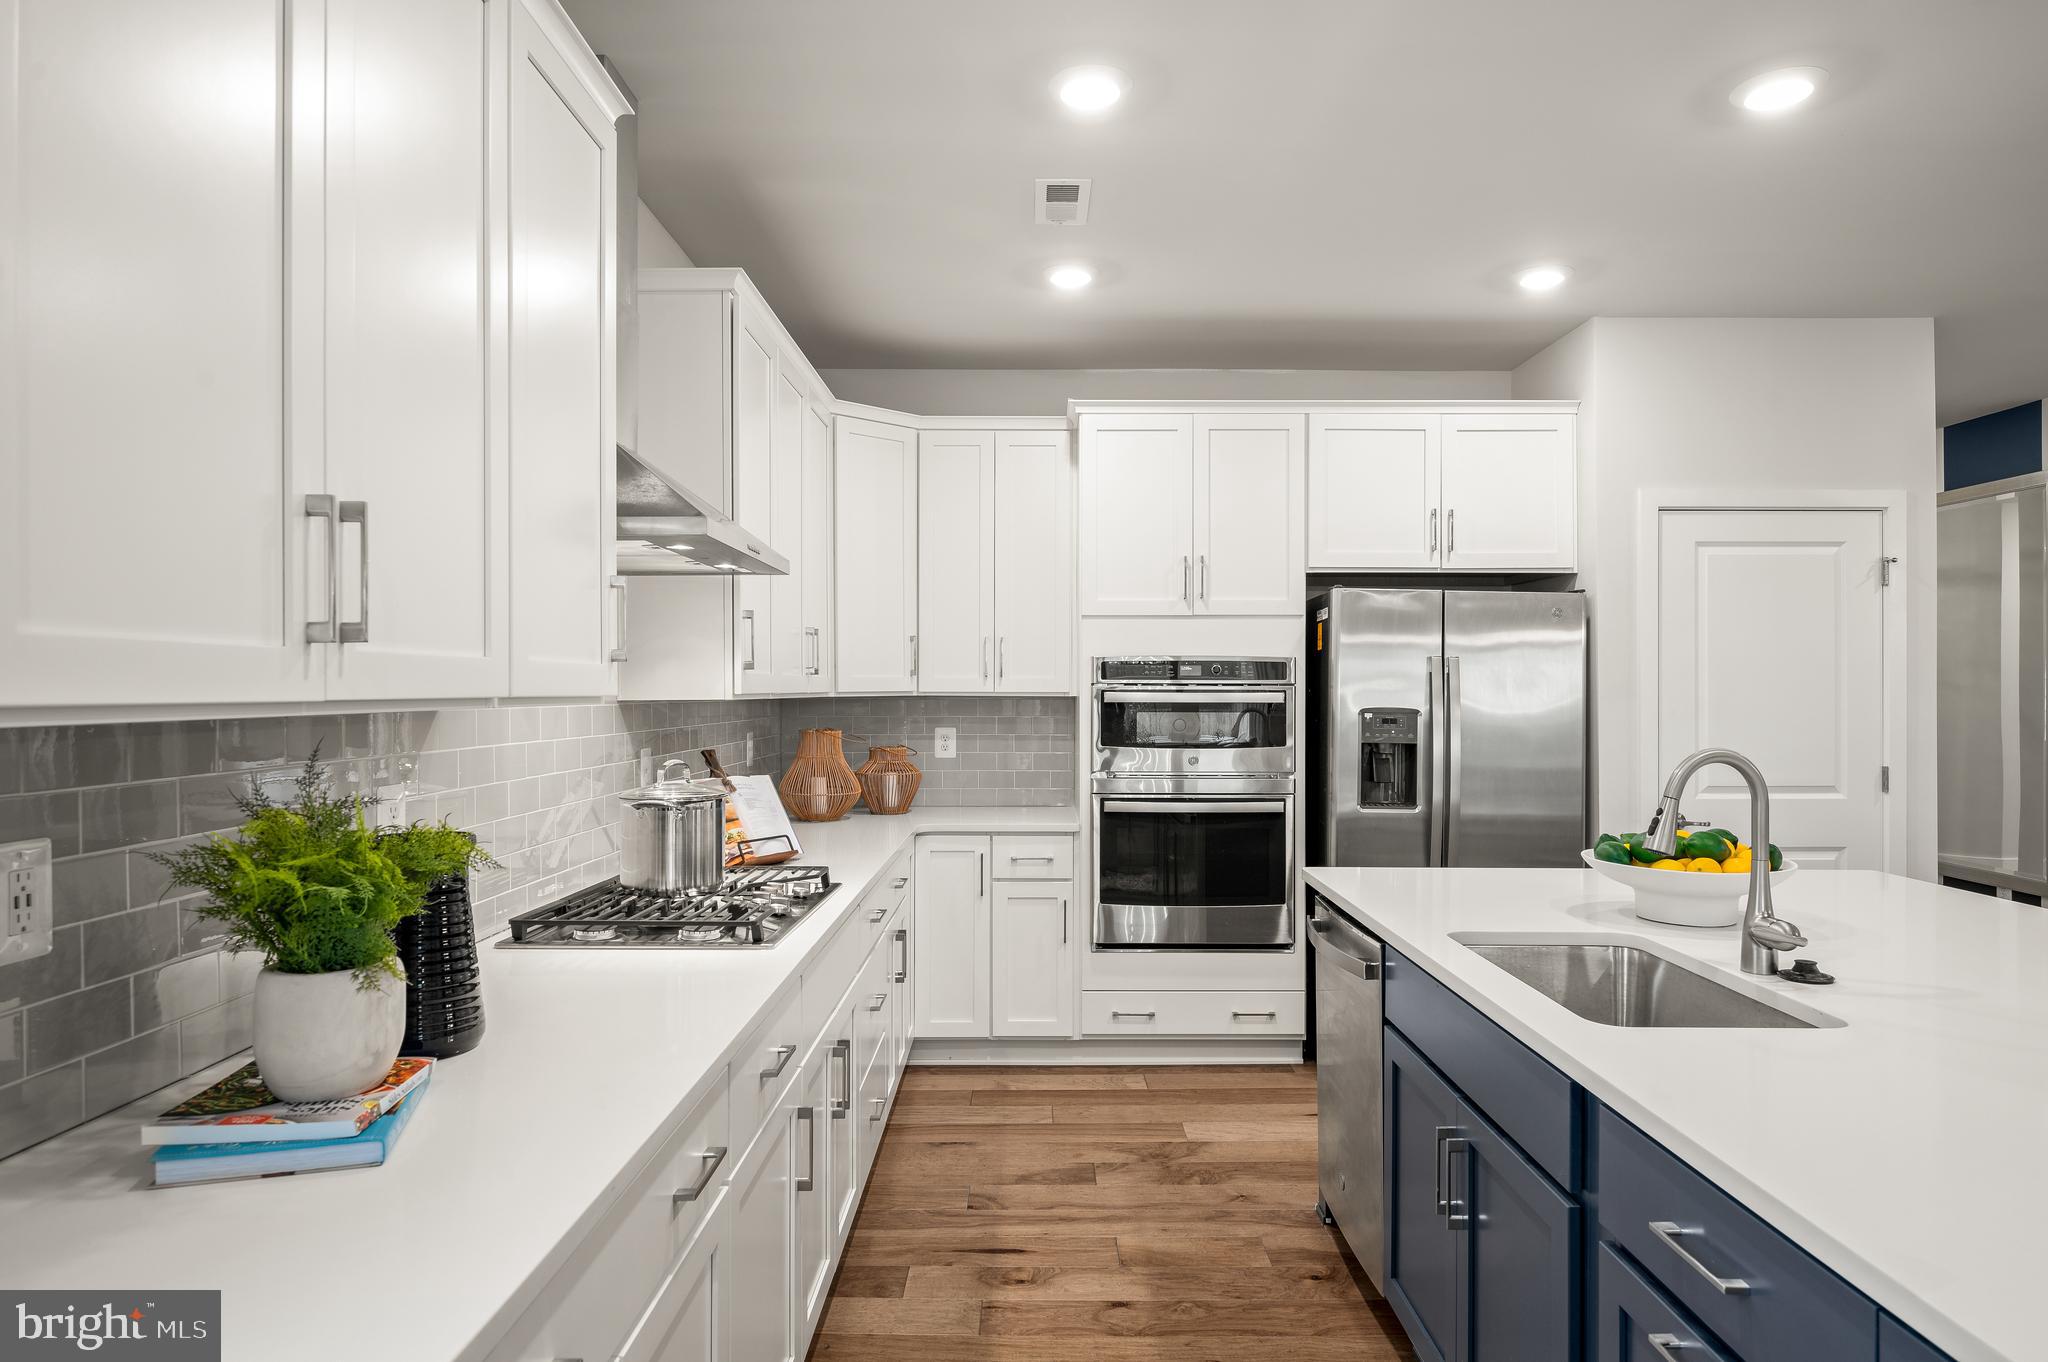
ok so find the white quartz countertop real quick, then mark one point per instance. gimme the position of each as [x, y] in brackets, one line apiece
[1904, 1149]
[589, 1060]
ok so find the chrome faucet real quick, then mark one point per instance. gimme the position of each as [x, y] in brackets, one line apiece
[1764, 933]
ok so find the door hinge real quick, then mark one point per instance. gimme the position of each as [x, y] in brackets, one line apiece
[1884, 571]
[1884, 780]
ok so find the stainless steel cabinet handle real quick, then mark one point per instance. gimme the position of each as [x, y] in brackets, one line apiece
[1002, 653]
[1457, 1209]
[1031, 860]
[981, 864]
[876, 1114]
[809, 1116]
[1671, 1233]
[842, 1078]
[782, 1055]
[1255, 1016]
[913, 654]
[357, 513]
[988, 646]
[1669, 1346]
[881, 1000]
[1185, 574]
[712, 1157]
[1140, 1016]
[1443, 1204]
[747, 656]
[1432, 532]
[816, 639]
[1450, 533]
[1063, 922]
[618, 653]
[1326, 940]
[1454, 759]
[899, 881]
[878, 914]
[903, 946]
[321, 506]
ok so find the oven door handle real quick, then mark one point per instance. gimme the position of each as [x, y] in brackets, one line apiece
[1195, 805]
[1191, 695]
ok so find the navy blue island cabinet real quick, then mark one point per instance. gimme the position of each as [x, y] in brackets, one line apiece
[1482, 1249]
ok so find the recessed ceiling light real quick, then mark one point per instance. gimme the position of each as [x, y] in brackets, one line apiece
[1542, 278]
[1090, 89]
[1774, 92]
[1069, 278]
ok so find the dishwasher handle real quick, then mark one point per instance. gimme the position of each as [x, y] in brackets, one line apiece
[1331, 937]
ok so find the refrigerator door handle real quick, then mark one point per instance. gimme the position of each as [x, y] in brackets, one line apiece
[1454, 742]
[1432, 741]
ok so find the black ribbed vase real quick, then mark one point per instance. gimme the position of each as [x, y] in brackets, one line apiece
[444, 993]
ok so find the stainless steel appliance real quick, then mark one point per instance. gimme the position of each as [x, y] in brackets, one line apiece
[672, 838]
[1991, 684]
[1447, 728]
[1194, 803]
[1350, 1144]
[749, 908]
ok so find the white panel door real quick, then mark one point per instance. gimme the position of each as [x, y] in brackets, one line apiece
[1510, 492]
[818, 549]
[817, 1179]
[1372, 490]
[1031, 959]
[753, 493]
[1137, 517]
[956, 547]
[688, 1320]
[952, 905]
[1034, 561]
[1248, 514]
[1770, 628]
[408, 307]
[562, 202]
[763, 1250]
[875, 533]
[153, 547]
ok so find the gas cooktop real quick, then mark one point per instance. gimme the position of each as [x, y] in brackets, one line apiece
[753, 907]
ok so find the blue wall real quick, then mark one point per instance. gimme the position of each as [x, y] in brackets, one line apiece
[2004, 444]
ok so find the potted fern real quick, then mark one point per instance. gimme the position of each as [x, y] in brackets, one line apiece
[315, 889]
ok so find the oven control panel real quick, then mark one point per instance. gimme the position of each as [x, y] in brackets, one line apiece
[1226, 669]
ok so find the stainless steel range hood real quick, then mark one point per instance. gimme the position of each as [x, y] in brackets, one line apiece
[665, 529]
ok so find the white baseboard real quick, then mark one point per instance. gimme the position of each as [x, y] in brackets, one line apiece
[943, 1050]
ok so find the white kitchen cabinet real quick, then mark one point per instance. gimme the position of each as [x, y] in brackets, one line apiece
[562, 200]
[952, 930]
[1249, 473]
[842, 1128]
[875, 529]
[814, 1197]
[1033, 520]
[1031, 959]
[763, 1251]
[1372, 491]
[689, 1319]
[820, 551]
[956, 554]
[754, 387]
[1137, 514]
[1510, 491]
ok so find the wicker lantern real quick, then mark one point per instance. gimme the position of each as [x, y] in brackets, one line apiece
[889, 779]
[819, 786]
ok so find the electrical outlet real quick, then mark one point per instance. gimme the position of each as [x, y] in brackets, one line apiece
[30, 903]
[945, 743]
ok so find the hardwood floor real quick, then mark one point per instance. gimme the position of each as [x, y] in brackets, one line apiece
[1110, 1215]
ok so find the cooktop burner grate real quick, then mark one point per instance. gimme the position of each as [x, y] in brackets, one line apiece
[753, 907]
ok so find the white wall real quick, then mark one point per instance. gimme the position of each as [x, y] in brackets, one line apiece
[1744, 405]
[1044, 392]
[658, 249]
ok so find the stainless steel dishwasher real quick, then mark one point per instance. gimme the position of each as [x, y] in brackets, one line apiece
[1350, 1145]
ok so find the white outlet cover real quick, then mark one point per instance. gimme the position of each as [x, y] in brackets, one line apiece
[945, 743]
[27, 900]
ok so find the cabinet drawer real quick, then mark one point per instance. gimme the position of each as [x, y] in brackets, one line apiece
[591, 1304]
[833, 971]
[768, 1063]
[1760, 1293]
[1279, 1014]
[1033, 858]
[1512, 1084]
[871, 1011]
[1634, 1318]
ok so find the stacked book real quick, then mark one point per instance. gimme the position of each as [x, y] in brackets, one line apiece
[238, 1129]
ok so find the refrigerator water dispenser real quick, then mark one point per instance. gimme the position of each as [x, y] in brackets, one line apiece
[1387, 746]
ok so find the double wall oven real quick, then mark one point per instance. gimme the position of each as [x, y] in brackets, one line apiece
[1193, 789]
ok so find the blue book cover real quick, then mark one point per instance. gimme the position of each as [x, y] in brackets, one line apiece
[177, 1165]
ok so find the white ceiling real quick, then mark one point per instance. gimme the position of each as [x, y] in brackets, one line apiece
[1336, 184]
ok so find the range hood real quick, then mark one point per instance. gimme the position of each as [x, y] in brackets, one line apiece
[666, 529]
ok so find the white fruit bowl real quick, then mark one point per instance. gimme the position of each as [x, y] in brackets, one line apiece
[1685, 898]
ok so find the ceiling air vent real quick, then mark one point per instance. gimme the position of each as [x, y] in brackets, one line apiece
[1062, 203]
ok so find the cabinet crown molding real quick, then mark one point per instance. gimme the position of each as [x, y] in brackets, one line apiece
[1079, 407]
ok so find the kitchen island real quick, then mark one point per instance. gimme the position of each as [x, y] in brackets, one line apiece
[1897, 1148]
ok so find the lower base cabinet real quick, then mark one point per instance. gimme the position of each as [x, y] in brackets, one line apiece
[763, 1188]
[689, 1319]
[1635, 1322]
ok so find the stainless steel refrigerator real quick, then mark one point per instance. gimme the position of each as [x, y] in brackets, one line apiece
[1447, 728]
[1991, 684]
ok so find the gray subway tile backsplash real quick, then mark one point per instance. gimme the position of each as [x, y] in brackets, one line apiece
[139, 991]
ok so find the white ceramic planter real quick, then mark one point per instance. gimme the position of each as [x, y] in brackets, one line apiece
[323, 1036]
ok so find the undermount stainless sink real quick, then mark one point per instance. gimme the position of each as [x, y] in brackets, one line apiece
[1617, 985]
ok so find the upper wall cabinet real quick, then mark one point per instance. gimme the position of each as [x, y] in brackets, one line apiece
[875, 465]
[1415, 490]
[320, 480]
[1191, 514]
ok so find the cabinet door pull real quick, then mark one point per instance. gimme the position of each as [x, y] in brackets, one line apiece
[899, 881]
[712, 1157]
[1432, 531]
[1450, 532]
[1184, 575]
[1137, 1016]
[1002, 653]
[987, 647]
[357, 513]
[618, 653]
[1457, 1209]
[881, 999]
[1255, 1016]
[1063, 922]
[878, 914]
[322, 506]
[913, 654]
[809, 1116]
[1202, 580]
[842, 1074]
[903, 958]
[782, 1055]
[747, 657]
[1031, 860]
[876, 1114]
[1669, 1346]
[1672, 1233]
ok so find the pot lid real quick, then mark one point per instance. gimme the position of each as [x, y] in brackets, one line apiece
[675, 790]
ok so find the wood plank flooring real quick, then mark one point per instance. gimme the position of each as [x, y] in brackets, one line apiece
[1111, 1215]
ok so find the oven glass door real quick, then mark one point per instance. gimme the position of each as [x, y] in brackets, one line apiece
[1193, 872]
[1140, 731]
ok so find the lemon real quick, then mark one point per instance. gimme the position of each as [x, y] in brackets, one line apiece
[1704, 864]
[1667, 864]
